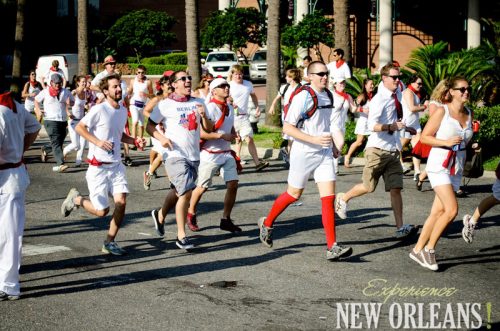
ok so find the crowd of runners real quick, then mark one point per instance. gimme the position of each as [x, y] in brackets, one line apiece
[192, 130]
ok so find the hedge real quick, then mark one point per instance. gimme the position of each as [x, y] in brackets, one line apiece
[157, 69]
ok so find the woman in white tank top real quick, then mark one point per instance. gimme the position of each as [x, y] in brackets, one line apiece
[77, 112]
[139, 90]
[448, 131]
[30, 91]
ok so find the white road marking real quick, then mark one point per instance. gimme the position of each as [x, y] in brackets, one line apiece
[144, 234]
[40, 249]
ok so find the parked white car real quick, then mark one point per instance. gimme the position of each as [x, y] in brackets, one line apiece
[258, 65]
[219, 63]
[68, 63]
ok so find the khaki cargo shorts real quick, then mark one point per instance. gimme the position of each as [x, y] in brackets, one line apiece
[382, 163]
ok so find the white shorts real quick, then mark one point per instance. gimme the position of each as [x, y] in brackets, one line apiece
[207, 170]
[302, 164]
[104, 182]
[441, 178]
[243, 127]
[362, 126]
[158, 148]
[137, 115]
[496, 189]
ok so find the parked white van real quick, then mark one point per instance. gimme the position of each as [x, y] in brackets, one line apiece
[68, 63]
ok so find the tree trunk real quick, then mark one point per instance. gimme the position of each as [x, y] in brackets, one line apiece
[193, 41]
[83, 41]
[16, 65]
[341, 19]
[273, 58]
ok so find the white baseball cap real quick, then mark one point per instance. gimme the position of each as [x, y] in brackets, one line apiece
[217, 82]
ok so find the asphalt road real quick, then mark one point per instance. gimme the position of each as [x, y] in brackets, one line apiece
[233, 282]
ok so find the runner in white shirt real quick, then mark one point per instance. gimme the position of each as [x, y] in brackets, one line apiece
[311, 153]
[77, 113]
[103, 128]
[55, 70]
[140, 90]
[382, 150]
[240, 92]
[30, 91]
[109, 69]
[182, 116]
[216, 154]
[18, 130]
[411, 117]
[338, 68]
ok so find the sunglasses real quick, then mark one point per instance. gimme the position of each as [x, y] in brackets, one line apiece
[223, 86]
[140, 72]
[183, 78]
[463, 89]
[321, 73]
[395, 77]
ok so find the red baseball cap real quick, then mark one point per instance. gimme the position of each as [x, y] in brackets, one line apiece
[109, 59]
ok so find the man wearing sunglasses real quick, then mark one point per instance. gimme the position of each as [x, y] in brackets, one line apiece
[181, 116]
[382, 150]
[140, 90]
[338, 68]
[216, 155]
[312, 152]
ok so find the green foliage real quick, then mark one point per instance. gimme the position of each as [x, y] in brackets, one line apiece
[169, 59]
[157, 69]
[154, 60]
[289, 54]
[491, 164]
[314, 29]
[434, 63]
[349, 137]
[354, 86]
[488, 134]
[234, 27]
[142, 30]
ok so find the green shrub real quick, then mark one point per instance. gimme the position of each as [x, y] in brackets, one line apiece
[154, 60]
[488, 134]
[157, 69]
[350, 137]
[131, 59]
[175, 58]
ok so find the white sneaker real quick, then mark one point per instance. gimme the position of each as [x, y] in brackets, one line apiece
[60, 168]
[468, 230]
[406, 170]
[341, 206]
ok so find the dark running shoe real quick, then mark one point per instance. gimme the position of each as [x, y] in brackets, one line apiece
[228, 225]
[184, 243]
[159, 227]
[265, 233]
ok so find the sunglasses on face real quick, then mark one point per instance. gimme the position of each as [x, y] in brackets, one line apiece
[321, 73]
[223, 86]
[463, 89]
[183, 78]
[140, 72]
[395, 77]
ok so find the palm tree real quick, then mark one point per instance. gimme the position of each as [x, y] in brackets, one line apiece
[273, 56]
[342, 35]
[83, 41]
[193, 40]
[16, 66]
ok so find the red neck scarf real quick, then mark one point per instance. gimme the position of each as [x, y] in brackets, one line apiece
[222, 105]
[399, 108]
[343, 95]
[370, 95]
[7, 101]
[179, 98]
[33, 83]
[53, 92]
[417, 93]
[339, 63]
[53, 69]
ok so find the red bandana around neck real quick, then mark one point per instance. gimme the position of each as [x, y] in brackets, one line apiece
[34, 83]
[222, 105]
[7, 101]
[53, 92]
[179, 98]
[343, 94]
[53, 69]
[417, 93]
[339, 63]
[370, 95]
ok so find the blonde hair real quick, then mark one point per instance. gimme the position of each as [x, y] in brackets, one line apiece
[439, 91]
[235, 68]
[295, 74]
[442, 94]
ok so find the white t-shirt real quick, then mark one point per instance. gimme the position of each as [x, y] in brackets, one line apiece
[139, 92]
[339, 114]
[54, 108]
[341, 72]
[106, 123]
[97, 79]
[383, 111]
[13, 128]
[182, 126]
[320, 122]
[215, 145]
[49, 74]
[240, 94]
[410, 118]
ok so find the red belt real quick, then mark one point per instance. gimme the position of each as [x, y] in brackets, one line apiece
[96, 163]
[6, 166]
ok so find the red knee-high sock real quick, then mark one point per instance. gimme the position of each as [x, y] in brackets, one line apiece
[328, 218]
[280, 204]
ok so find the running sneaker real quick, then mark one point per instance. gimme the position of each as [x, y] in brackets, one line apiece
[184, 243]
[147, 178]
[262, 165]
[341, 206]
[128, 161]
[468, 230]
[406, 170]
[43, 154]
[416, 176]
[159, 227]
[112, 248]
[430, 259]
[418, 257]
[4, 296]
[68, 204]
[192, 222]
[227, 224]
[337, 251]
[60, 168]
[265, 233]
[404, 231]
